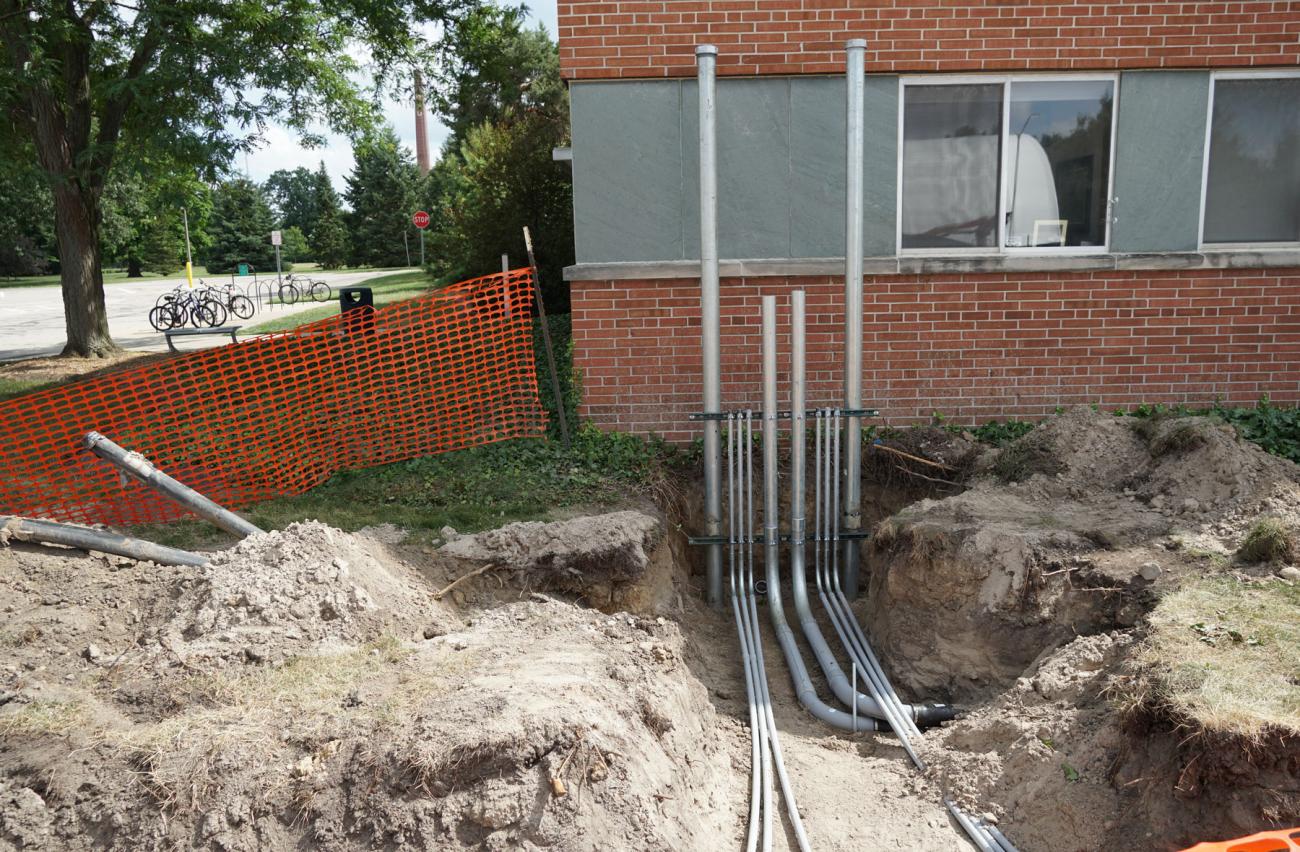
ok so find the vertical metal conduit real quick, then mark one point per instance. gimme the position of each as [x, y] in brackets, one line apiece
[706, 56]
[855, 84]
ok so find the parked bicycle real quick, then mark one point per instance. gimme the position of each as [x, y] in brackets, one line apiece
[295, 287]
[199, 307]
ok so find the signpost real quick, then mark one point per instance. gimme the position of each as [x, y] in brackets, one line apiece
[276, 240]
[421, 221]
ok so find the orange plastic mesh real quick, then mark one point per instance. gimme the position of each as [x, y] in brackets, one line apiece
[1266, 841]
[277, 414]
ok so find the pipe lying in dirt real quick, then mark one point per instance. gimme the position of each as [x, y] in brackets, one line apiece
[85, 538]
[139, 467]
[803, 686]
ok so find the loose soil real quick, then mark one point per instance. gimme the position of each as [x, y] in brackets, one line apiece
[315, 688]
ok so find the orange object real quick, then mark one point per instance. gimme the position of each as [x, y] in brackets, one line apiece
[1287, 840]
[277, 414]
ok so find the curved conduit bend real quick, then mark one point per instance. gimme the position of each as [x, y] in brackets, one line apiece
[803, 685]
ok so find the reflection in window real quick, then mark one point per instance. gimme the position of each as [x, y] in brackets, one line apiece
[1252, 191]
[951, 151]
[1058, 157]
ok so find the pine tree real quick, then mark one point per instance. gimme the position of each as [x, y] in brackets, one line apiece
[240, 228]
[329, 240]
[380, 191]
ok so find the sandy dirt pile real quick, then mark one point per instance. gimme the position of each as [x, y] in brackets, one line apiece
[277, 593]
[615, 561]
[1100, 514]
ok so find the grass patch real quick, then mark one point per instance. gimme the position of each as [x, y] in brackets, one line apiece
[1268, 540]
[11, 387]
[1225, 653]
[53, 718]
[387, 289]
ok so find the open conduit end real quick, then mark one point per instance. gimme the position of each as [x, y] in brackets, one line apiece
[935, 714]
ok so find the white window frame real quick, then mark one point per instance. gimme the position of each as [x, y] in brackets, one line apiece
[1240, 74]
[1005, 81]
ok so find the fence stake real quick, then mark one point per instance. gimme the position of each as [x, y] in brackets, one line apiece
[546, 339]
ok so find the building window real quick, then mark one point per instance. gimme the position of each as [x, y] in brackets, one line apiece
[1252, 174]
[1021, 164]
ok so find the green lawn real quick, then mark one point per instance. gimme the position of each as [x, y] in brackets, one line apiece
[16, 387]
[118, 276]
[387, 289]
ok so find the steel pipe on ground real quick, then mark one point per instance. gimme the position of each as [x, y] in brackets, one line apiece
[139, 467]
[85, 538]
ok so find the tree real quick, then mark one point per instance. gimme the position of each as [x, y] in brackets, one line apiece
[501, 176]
[329, 239]
[143, 221]
[240, 228]
[294, 247]
[26, 216]
[381, 193]
[94, 84]
[293, 195]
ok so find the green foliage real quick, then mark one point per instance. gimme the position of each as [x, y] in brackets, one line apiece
[294, 247]
[1275, 428]
[240, 228]
[27, 244]
[294, 198]
[1001, 433]
[381, 191]
[508, 110]
[144, 224]
[329, 239]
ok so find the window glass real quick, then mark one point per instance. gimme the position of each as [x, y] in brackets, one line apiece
[952, 138]
[1252, 191]
[1058, 161]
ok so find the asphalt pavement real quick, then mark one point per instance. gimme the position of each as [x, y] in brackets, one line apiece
[31, 318]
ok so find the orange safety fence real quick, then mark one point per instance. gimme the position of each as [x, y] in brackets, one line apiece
[277, 414]
[1287, 840]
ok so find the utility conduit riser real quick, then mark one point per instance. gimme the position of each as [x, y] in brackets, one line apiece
[855, 127]
[710, 308]
[771, 547]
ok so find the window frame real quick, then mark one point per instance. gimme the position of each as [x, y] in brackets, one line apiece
[1005, 81]
[1234, 74]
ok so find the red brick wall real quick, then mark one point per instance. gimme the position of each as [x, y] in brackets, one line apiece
[974, 347]
[633, 38]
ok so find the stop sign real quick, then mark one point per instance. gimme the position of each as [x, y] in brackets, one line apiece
[420, 219]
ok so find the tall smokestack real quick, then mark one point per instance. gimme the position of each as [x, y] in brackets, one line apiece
[421, 131]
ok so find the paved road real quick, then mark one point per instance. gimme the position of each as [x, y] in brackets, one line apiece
[31, 318]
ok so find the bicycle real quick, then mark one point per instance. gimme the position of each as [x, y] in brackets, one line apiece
[295, 287]
[200, 307]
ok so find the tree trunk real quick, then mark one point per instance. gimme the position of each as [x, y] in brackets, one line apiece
[133, 268]
[76, 219]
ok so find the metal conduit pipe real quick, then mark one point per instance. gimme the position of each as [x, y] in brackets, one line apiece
[706, 56]
[839, 683]
[139, 467]
[756, 727]
[803, 686]
[70, 535]
[855, 126]
[765, 698]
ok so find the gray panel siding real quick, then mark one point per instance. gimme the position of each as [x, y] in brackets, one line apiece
[880, 178]
[627, 171]
[1159, 146]
[817, 168]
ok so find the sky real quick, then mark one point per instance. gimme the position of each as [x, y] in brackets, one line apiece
[279, 148]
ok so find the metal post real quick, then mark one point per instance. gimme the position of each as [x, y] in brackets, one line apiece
[710, 324]
[406, 241]
[278, 279]
[422, 248]
[546, 339]
[505, 263]
[856, 82]
[142, 469]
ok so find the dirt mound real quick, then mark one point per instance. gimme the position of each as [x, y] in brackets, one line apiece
[1071, 529]
[275, 593]
[619, 560]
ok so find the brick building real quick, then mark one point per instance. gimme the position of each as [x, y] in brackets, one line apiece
[1065, 202]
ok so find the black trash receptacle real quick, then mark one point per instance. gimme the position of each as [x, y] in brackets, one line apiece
[357, 305]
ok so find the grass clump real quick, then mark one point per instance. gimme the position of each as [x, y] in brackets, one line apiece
[53, 718]
[1268, 540]
[1023, 458]
[1225, 654]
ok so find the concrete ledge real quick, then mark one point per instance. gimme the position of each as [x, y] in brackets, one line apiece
[932, 265]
